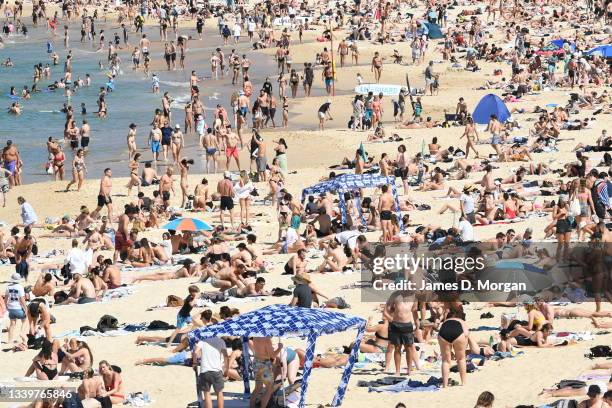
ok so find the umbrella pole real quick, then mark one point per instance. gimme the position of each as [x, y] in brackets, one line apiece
[283, 377]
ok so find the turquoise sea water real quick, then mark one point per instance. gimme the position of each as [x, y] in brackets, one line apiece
[131, 102]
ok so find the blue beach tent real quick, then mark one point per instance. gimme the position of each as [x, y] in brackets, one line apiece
[435, 32]
[352, 182]
[288, 321]
[490, 105]
[603, 50]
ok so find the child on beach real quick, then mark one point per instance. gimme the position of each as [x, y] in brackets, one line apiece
[184, 314]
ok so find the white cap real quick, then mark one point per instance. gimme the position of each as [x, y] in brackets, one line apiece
[16, 277]
[177, 126]
[227, 174]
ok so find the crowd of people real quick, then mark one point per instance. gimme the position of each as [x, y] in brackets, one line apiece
[117, 246]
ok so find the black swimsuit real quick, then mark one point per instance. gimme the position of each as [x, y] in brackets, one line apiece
[451, 330]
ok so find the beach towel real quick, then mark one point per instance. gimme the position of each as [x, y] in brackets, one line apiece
[138, 399]
[410, 386]
[485, 328]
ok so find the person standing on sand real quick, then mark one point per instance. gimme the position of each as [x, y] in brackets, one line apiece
[377, 66]
[213, 353]
[231, 150]
[399, 311]
[386, 205]
[264, 354]
[79, 169]
[225, 188]
[166, 184]
[495, 127]
[261, 161]
[210, 144]
[104, 195]
[155, 137]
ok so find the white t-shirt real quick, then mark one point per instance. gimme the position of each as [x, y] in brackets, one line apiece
[212, 357]
[348, 238]
[251, 26]
[77, 259]
[468, 203]
[466, 230]
[291, 237]
[14, 292]
[28, 215]
[166, 244]
[237, 30]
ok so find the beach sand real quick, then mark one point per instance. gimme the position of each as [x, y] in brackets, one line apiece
[513, 381]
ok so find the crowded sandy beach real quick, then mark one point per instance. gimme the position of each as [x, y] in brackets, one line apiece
[305, 203]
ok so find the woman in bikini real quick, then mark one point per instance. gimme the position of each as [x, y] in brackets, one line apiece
[184, 170]
[78, 170]
[380, 341]
[202, 198]
[471, 134]
[433, 147]
[583, 195]
[45, 362]
[453, 339]
[285, 111]
[76, 357]
[243, 193]
[113, 384]
[134, 167]
[59, 160]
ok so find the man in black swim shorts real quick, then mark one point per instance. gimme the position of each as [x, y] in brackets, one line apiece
[398, 311]
[225, 188]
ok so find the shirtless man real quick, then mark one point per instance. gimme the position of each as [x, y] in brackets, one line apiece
[386, 205]
[104, 195]
[144, 45]
[495, 127]
[264, 354]
[110, 274]
[343, 50]
[85, 135]
[261, 159]
[210, 144]
[122, 236]
[166, 184]
[45, 285]
[399, 311]
[225, 188]
[296, 264]
[231, 150]
[155, 137]
[82, 290]
[10, 156]
[377, 66]
[487, 180]
[148, 175]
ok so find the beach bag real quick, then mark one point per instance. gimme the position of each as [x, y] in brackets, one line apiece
[574, 209]
[174, 301]
[601, 351]
[107, 323]
[160, 325]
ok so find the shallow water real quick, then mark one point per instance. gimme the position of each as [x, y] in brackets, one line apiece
[131, 102]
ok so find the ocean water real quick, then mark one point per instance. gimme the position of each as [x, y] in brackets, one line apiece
[131, 102]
